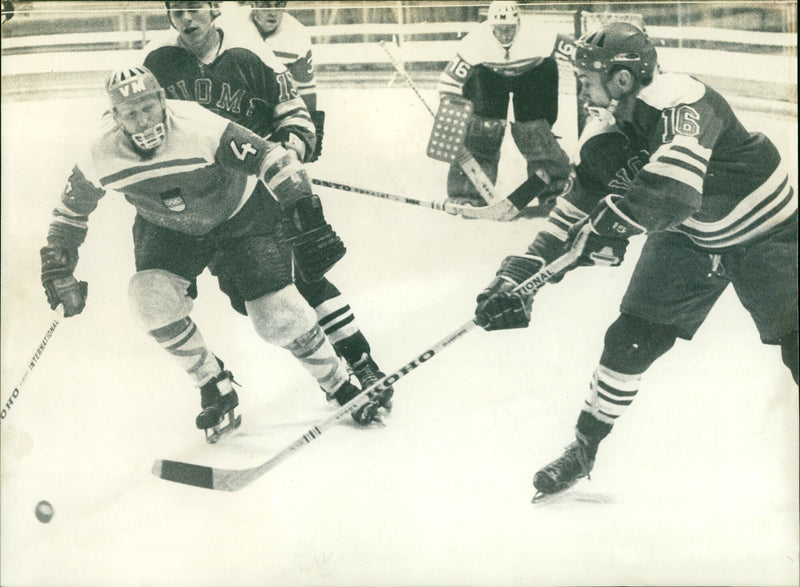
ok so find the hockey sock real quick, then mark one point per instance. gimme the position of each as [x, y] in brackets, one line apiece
[316, 354]
[610, 393]
[337, 320]
[184, 342]
[590, 429]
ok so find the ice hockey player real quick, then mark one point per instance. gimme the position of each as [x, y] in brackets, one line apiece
[234, 73]
[664, 155]
[291, 43]
[502, 56]
[190, 174]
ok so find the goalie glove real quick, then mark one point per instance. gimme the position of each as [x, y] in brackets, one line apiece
[316, 245]
[603, 240]
[60, 286]
[501, 308]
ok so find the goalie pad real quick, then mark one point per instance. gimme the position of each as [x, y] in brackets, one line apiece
[541, 150]
[450, 126]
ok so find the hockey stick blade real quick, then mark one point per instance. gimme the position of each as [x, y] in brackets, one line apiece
[235, 479]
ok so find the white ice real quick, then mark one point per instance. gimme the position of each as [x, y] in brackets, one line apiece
[696, 485]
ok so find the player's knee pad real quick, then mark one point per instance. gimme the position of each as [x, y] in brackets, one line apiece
[789, 352]
[158, 298]
[281, 316]
[541, 150]
[484, 138]
[633, 344]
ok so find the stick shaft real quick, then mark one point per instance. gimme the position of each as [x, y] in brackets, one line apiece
[58, 315]
[235, 479]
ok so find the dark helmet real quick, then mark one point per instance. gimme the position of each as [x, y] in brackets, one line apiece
[617, 44]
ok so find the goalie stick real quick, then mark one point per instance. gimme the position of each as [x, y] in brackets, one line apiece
[506, 209]
[465, 159]
[56, 318]
[235, 479]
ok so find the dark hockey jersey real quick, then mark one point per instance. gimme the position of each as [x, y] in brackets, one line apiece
[201, 175]
[245, 83]
[706, 175]
[684, 163]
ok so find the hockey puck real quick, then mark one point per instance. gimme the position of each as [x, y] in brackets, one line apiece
[44, 511]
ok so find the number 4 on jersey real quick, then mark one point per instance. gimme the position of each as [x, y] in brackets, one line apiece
[242, 151]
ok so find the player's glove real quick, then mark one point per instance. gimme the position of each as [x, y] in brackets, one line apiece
[59, 284]
[316, 245]
[318, 118]
[603, 240]
[499, 307]
[292, 141]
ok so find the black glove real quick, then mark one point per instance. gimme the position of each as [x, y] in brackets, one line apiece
[59, 284]
[318, 118]
[603, 240]
[316, 245]
[501, 308]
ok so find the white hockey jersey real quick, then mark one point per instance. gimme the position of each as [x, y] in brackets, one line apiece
[479, 47]
[201, 175]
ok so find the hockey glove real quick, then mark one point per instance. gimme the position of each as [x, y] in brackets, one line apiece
[604, 238]
[59, 284]
[501, 308]
[318, 118]
[316, 245]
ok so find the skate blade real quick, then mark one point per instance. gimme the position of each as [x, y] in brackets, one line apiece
[215, 433]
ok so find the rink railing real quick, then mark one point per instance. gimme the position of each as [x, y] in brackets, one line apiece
[766, 70]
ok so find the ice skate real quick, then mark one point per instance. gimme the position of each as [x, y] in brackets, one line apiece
[218, 400]
[364, 415]
[564, 472]
[368, 373]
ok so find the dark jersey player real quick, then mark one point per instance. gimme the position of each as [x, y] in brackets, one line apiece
[664, 155]
[234, 73]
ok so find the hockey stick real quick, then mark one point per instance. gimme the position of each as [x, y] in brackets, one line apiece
[235, 479]
[58, 315]
[506, 209]
[466, 161]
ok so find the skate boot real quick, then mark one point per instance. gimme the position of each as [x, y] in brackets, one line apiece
[368, 373]
[364, 415]
[564, 472]
[218, 400]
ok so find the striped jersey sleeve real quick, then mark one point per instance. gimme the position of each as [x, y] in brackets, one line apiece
[707, 176]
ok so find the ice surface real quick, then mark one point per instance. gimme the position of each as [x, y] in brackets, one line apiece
[697, 484]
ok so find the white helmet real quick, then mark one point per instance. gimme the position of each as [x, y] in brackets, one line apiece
[503, 17]
[130, 84]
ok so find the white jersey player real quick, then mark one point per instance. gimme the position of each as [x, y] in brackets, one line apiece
[191, 175]
[506, 55]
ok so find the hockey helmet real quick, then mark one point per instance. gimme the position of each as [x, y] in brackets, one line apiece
[503, 18]
[617, 44]
[131, 84]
